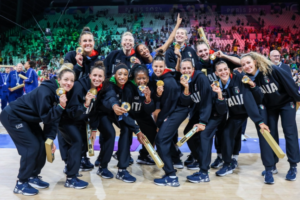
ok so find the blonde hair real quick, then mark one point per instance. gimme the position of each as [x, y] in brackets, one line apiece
[201, 42]
[125, 34]
[262, 63]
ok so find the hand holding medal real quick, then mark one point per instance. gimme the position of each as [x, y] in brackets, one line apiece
[160, 87]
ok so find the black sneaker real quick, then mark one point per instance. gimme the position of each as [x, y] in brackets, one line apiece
[190, 160]
[145, 160]
[86, 165]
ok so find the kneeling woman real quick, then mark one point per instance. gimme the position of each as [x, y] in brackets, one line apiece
[109, 111]
[241, 104]
[21, 120]
[73, 123]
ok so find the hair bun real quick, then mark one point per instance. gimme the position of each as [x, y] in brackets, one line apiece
[86, 29]
[160, 53]
[99, 64]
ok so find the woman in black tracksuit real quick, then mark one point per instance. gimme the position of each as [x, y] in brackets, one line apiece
[168, 122]
[21, 120]
[73, 123]
[241, 104]
[280, 97]
[109, 111]
[203, 52]
[83, 61]
[141, 104]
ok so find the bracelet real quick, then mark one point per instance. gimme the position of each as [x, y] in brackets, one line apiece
[221, 99]
[147, 102]
[202, 124]
[186, 94]
[253, 86]
[85, 106]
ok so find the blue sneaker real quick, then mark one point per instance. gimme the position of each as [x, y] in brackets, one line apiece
[274, 171]
[198, 177]
[104, 173]
[234, 163]
[115, 156]
[177, 163]
[25, 189]
[37, 182]
[193, 166]
[292, 174]
[217, 163]
[86, 165]
[189, 160]
[166, 180]
[97, 163]
[269, 177]
[76, 183]
[125, 176]
[226, 169]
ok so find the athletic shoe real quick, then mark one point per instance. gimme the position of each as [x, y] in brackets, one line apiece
[190, 160]
[244, 138]
[193, 166]
[167, 181]
[269, 177]
[25, 189]
[145, 160]
[37, 182]
[292, 174]
[86, 165]
[131, 161]
[234, 164]
[104, 173]
[76, 183]
[125, 176]
[217, 163]
[274, 171]
[226, 169]
[97, 163]
[177, 163]
[198, 177]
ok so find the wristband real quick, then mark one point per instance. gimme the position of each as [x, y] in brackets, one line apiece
[253, 86]
[61, 106]
[138, 132]
[261, 123]
[221, 99]
[186, 94]
[202, 124]
[85, 106]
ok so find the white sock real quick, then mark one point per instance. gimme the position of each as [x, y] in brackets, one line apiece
[19, 182]
[120, 170]
[220, 155]
[235, 157]
[172, 176]
[69, 178]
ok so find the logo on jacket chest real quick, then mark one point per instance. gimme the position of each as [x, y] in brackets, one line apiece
[190, 54]
[236, 89]
[235, 100]
[266, 78]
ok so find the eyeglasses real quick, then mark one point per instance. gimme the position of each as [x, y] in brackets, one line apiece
[275, 56]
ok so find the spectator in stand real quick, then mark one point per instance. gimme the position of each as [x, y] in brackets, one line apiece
[275, 58]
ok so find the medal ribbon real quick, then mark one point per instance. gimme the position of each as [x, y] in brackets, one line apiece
[253, 77]
[17, 78]
[226, 86]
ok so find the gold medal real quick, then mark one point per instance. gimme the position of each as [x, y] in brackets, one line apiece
[79, 50]
[216, 83]
[142, 87]
[245, 79]
[126, 106]
[132, 59]
[160, 83]
[212, 57]
[93, 91]
[60, 91]
[186, 76]
[177, 46]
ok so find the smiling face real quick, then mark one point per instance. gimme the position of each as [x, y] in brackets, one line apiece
[121, 77]
[275, 57]
[141, 78]
[67, 81]
[143, 51]
[180, 36]
[127, 42]
[203, 52]
[187, 68]
[19, 67]
[249, 65]
[158, 67]
[223, 72]
[87, 43]
[97, 77]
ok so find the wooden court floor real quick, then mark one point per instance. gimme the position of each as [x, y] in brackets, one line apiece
[245, 183]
